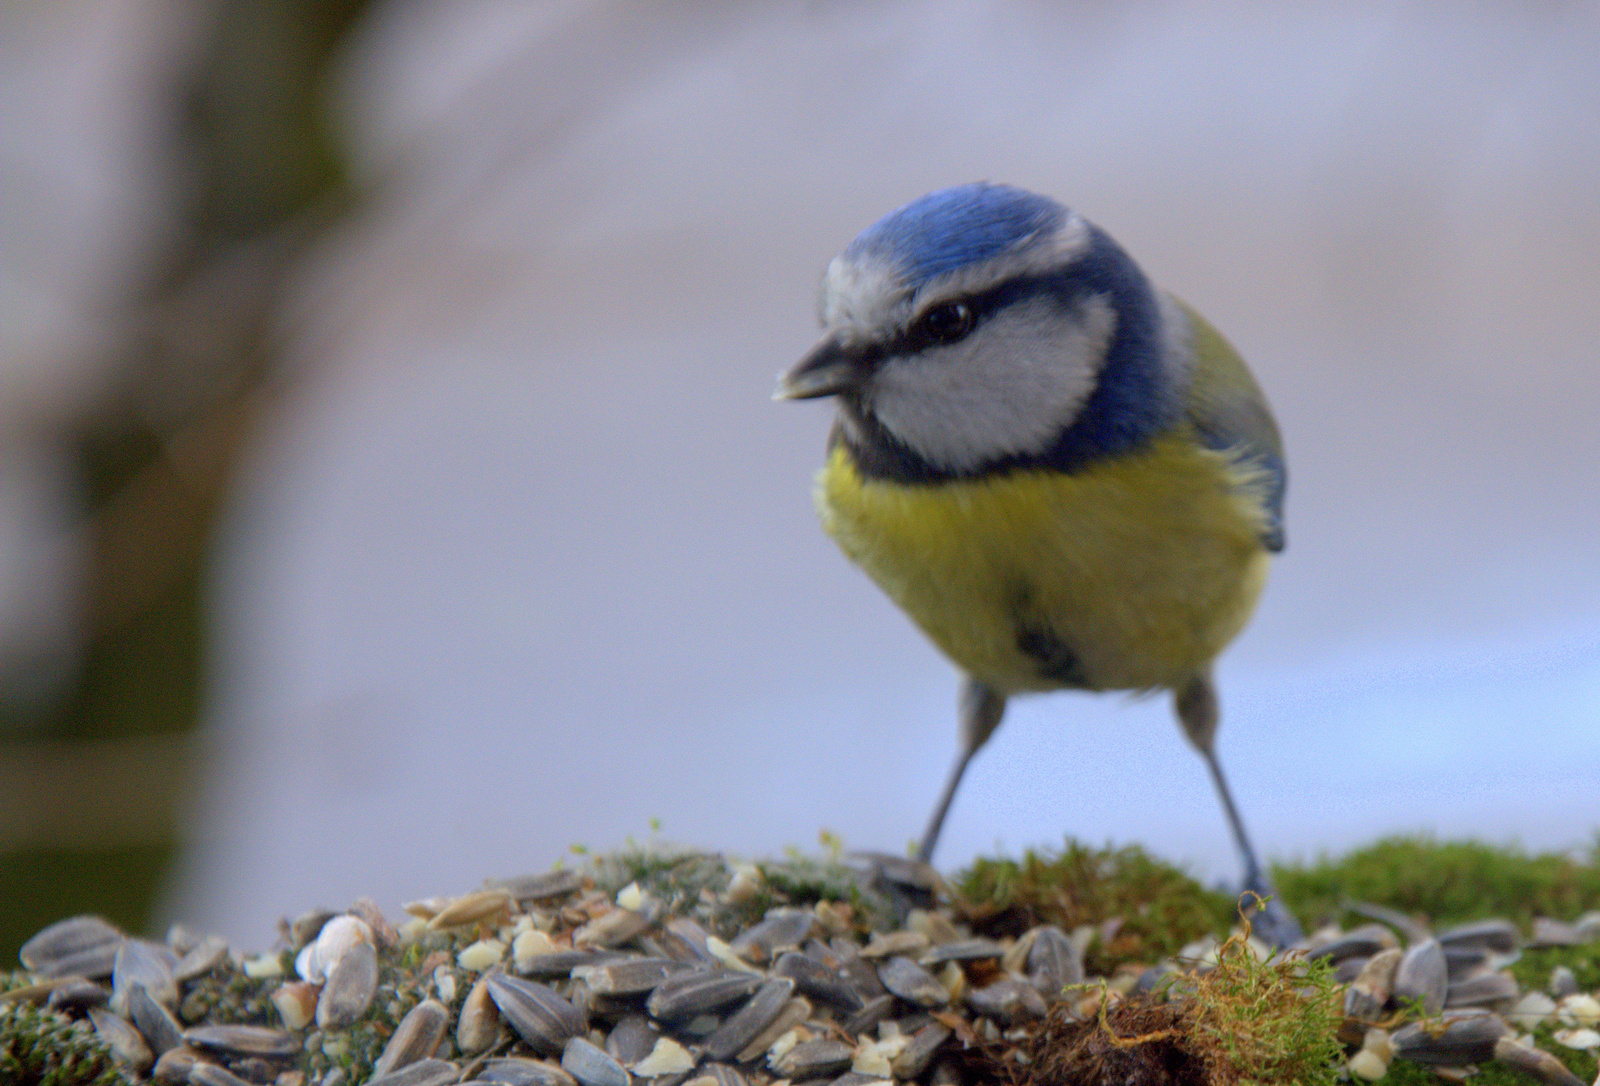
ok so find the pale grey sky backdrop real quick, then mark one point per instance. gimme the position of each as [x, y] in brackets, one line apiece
[528, 558]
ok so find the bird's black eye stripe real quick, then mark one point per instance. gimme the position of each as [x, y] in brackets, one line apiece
[946, 323]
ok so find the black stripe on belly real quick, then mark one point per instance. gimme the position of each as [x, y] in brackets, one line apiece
[1039, 641]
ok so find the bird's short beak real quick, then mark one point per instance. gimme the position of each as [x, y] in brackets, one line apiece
[828, 370]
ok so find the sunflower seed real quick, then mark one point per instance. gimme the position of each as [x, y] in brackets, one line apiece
[1531, 1061]
[551, 884]
[422, 1073]
[1369, 993]
[478, 1024]
[229, 1040]
[717, 1074]
[1422, 975]
[160, 1029]
[630, 976]
[1008, 1001]
[540, 1016]
[797, 1010]
[817, 980]
[1548, 932]
[75, 995]
[1500, 936]
[896, 943]
[745, 1024]
[632, 1039]
[1463, 1037]
[963, 950]
[351, 984]
[416, 1038]
[515, 1071]
[1485, 989]
[210, 1074]
[1363, 942]
[614, 928]
[919, 1051]
[174, 1065]
[782, 929]
[201, 959]
[912, 983]
[127, 1046]
[83, 946]
[561, 963]
[873, 1011]
[695, 991]
[145, 964]
[591, 1066]
[1414, 930]
[685, 940]
[1055, 961]
[822, 1058]
[1562, 982]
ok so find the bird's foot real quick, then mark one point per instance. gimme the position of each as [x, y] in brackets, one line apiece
[1270, 919]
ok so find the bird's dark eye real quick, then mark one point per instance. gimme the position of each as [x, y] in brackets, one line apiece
[945, 323]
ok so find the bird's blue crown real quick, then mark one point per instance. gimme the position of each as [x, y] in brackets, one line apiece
[955, 227]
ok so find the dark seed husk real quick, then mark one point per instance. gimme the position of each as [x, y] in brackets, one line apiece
[918, 1053]
[719, 1074]
[551, 884]
[632, 1039]
[540, 1016]
[628, 976]
[818, 981]
[75, 995]
[174, 1065]
[1008, 1001]
[782, 929]
[685, 940]
[84, 946]
[1482, 990]
[963, 950]
[160, 1029]
[696, 991]
[1500, 936]
[201, 959]
[1531, 1061]
[561, 963]
[912, 983]
[1422, 975]
[871, 1013]
[522, 1072]
[126, 1043]
[1054, 961]
[1369, 993]
[146, 965]
[748, 1021]
[591, 1066]
[421, 1073]
[1463, 1037]
[350, 986]
[230, 1040]
[797, 1010]
[821, 1058]
[211, 1074]
[417, 1037]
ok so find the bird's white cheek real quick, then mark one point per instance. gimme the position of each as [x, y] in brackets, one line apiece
[1008, 390]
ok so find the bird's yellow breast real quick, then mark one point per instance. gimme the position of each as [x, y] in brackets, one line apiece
[1130, 574]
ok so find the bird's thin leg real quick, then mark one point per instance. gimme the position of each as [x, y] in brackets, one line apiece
[1199, 713]
[980, 711]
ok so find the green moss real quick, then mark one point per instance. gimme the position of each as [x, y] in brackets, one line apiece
[1532, 968]
[42, 1048]
[1160, 906]
[1447, 882]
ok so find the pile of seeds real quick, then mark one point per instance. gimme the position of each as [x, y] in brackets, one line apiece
[698, 972]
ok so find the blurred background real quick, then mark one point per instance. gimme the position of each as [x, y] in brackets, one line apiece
[390, 495]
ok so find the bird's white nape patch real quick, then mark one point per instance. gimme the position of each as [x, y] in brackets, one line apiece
[1009, 389]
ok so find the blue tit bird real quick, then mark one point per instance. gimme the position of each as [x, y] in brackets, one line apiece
[1061, 473]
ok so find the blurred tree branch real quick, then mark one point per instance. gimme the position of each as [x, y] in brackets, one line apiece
[95, 767]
